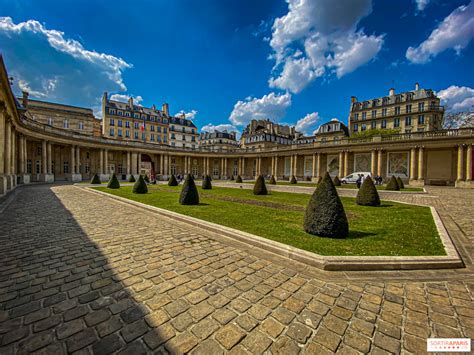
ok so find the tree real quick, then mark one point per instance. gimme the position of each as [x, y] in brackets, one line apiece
[113, 182]
[272, 180]
[337, 182]
[95, 180]
[206, 183]
[131, 178]
[392, 184]
[368, 195]
[140, 186]
[293, 179]
[172, 181]
[189, 193]
[400, 183]
[238, 179]
[260, 188]
[325, 215]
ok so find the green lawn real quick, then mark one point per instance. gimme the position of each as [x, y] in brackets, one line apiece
[343, 186]
[391, 229]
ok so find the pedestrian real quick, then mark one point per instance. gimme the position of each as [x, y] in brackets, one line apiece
[358, 181]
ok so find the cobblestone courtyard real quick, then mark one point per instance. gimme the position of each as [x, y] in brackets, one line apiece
[81, 273]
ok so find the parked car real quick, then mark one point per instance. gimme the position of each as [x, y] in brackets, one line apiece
[352, 178]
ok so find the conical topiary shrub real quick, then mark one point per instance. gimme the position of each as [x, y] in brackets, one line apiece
[272, 180]
[337, 182]
[293, 179]
[238, 179]
[260, 188]
[189, 193]
[146, 179]
[206, 183]
[140, 186]
[392, 184]
[113, 182]
[319, 179]
[95, 179]
[400, 183]
[325, 215]
[172, 181]
[131, 178]
[368, 195]
[232, 178]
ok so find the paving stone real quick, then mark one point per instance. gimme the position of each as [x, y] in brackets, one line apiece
[158, 336]
[229, 335]
[181, 343]
[208, 347]
[67, 329]
[327, 338]
[246, 322]
[387, 343]
[108, 344]
[389, 329]
[205, 328]
[257, 342]
[110, 326]
[283, 315]
[357, 341]
[81, 340]
[298, 332]
[224, 315]
[134, 330]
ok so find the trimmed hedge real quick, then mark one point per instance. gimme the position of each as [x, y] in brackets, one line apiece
[146, 179]
[337, 182]
[232, 178]
[206, 183]
[189, 194]
[260, 188]
[272, 180]
[131, 178]
[113, 182]
[293, 180]
[319, 179]
[238, 179]
[392, 184]
[140, 186]
[172, 181]
[95, 180]
[368, 195]
[400, 183]
[325, 215]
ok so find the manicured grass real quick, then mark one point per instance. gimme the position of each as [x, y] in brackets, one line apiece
[392, 229]
[343, 186]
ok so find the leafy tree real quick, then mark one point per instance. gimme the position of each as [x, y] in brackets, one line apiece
[367, 194]
[189, 193]
[260, 188]
[140, 186]
[325, 215]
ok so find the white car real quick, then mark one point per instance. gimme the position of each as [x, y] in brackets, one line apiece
[352, 178]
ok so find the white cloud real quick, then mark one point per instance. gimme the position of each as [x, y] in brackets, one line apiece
[457, 98]
[421, 4]
[455, 31]
[189, 115]
[328, 31]
[306, 124]
[220, 127]
[55, 67]
[270, 106]
[124, 98]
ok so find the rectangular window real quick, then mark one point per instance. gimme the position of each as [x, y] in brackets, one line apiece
[165, 130]
[119, 123]
[421, 106]
[28, 166]
[50, 121]
[136, 125]
[66, 124]
[421, 119]
[184, 137]
[364, 115]
[136, 135]
[384, 112]
[384, 123]
[374, 114]
[143, 135]
[111, 132]
[38, 167]
[356, 116]
[127, 124]
[356, 127]
[172, 136]
[158, 139]
[127, 133]
[152, 128]
[66, 167]
[165, 139]
[152, 137]
[112, 122]
[183, 130]
[81, 125]
[408, 108]
[158, 129]
[87, 168]
[396, 122]
[397, 110]
[119, 132]
[363, 127]
[374, 124]
[408, 121]
[192, 130]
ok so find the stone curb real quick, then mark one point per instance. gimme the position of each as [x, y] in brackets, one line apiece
[333, 263]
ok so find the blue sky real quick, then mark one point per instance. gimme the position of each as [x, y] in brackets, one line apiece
[226, 62]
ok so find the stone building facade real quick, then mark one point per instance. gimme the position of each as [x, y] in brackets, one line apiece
[217, 141]
[31, 150]
[265, 133]
[183, 133]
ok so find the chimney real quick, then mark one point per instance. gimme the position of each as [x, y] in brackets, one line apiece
[25, 99]
[391, 92]
[417, 86]
[104, 97]
[130, 102]
[353, 99]
[165, 109]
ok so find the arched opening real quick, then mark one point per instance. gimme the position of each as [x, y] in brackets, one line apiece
[147, 166]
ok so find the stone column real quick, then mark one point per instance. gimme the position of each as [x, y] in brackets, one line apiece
[2, 149]
[25, 142]
[346, 163]
[165, 165]
[313, 170]
[139, 162]
[318, 166]
[21, 148]
[413, 164]
[73, 160]
[8, 149]
[50, 159]
[341, 164]
[243, 168]
[379, 163]
[421, 175]
[101, 164]
[13, 160]
[372, 163]
[161, 165]
[276, 167]
[44, 160]
[469, 163]
[291, 165]
[78, 160]
[460, 162]
[225, 168]
[128, 164]
[106, 161]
